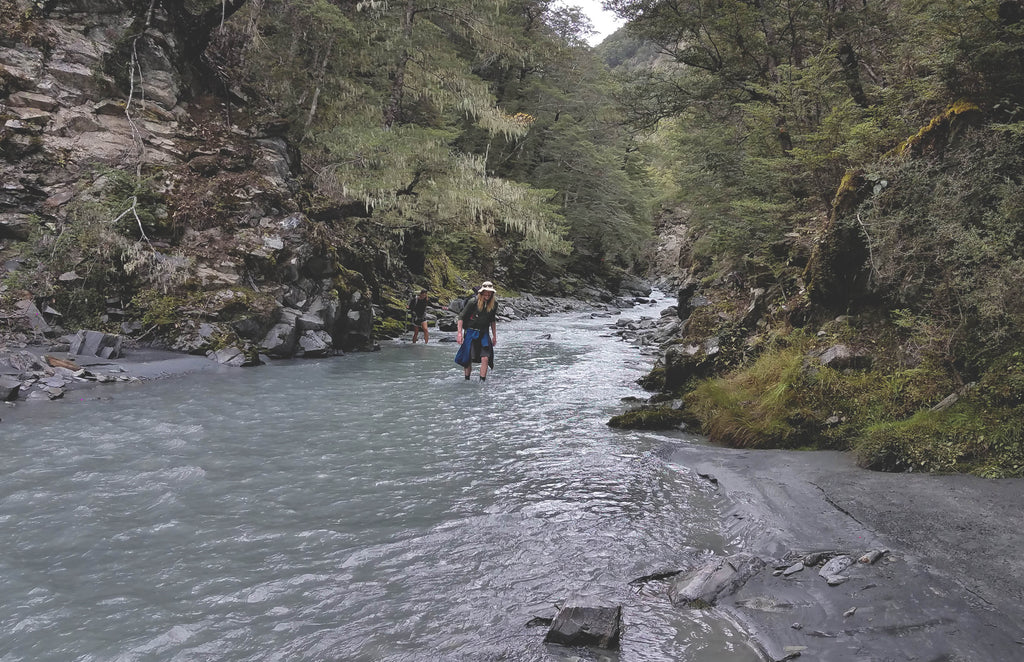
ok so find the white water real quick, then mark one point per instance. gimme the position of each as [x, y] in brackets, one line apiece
[369, 507]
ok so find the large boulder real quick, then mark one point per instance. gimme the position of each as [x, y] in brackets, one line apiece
[95, 343]
[314, 343]
[281, 341]
[9, 388]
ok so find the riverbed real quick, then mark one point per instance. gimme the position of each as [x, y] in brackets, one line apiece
[379, 507]
[368, 507]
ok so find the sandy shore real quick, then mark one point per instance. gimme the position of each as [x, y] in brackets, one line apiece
[950, 587]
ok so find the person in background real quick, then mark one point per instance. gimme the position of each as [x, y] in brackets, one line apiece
[418, 316]
[478, 331]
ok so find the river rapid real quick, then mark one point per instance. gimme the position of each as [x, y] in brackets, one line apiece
[371, 507]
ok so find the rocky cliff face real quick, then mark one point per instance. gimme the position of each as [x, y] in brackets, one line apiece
[130, 196]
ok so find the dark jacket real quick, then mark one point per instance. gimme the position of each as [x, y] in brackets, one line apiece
[418, 308]
[477, 319]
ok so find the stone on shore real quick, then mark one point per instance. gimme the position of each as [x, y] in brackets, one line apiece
[95, 343]
[9, 388]
[702, 587]
[835, 565]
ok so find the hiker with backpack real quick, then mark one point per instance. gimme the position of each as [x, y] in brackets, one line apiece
[478, 331]
[418, 316]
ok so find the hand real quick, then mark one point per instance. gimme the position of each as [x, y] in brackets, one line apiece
[458, 337]
[494, 341]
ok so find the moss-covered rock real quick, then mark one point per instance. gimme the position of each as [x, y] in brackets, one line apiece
[941, 129]
[649, 418]
[837, 271]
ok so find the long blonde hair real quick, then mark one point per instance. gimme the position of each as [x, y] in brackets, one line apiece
[483, 305]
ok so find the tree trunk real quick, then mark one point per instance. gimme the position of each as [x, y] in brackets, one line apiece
[851, 73]
[321, 73]
[398, 84]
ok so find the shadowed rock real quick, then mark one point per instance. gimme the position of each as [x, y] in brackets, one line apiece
[96, 343]
[586, 626]
[9, 388]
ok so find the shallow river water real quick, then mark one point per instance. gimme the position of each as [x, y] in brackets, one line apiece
[371, 507]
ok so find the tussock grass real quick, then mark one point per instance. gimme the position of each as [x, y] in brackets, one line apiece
[787, 399]
[886, 416]
[970, 437]
[751, 407]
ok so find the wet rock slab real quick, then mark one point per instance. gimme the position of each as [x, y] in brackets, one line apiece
[914, 567]
[702, 587]
[586, 626]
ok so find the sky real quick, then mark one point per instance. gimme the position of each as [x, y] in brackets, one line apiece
[605, 22]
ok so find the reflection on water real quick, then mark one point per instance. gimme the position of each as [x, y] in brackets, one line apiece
[370, 507]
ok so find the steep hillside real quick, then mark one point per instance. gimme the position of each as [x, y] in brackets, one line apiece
[842, 218]
[278, 176]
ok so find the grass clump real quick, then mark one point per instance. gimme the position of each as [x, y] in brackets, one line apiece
[787, 399]
[887, 414]
[970, 437]
[752, 407]
[981, 433]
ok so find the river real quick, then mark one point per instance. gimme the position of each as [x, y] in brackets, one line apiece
[371, 507]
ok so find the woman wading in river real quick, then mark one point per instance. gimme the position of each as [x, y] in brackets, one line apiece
[475, 320]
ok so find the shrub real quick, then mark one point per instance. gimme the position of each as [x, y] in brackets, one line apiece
[968, 437]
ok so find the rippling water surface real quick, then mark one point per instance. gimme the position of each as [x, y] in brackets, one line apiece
[369, 507]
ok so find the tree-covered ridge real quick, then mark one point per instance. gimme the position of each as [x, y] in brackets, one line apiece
[397, 144]
[774, 101]
[852, 161]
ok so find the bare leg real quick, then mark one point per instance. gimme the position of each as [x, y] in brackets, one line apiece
[483, 367]
[426, 334]
[415, 333]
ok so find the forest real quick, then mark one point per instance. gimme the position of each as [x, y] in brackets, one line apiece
[843, 172]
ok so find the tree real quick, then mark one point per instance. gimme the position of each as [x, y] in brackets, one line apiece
[387, 89]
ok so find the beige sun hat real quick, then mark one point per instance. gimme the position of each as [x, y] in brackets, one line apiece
[487, 286]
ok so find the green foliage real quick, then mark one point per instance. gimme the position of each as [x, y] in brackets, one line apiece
[385, 326]
[946, 243]
[382, 97]
[159, 310]
[969, 437]
[770, 108]
[785, 399]
[885, 414]
[101, 250]
[445, 280]
[576, 147]
[752, 407]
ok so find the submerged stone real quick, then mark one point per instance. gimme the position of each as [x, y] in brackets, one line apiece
[586, 626]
